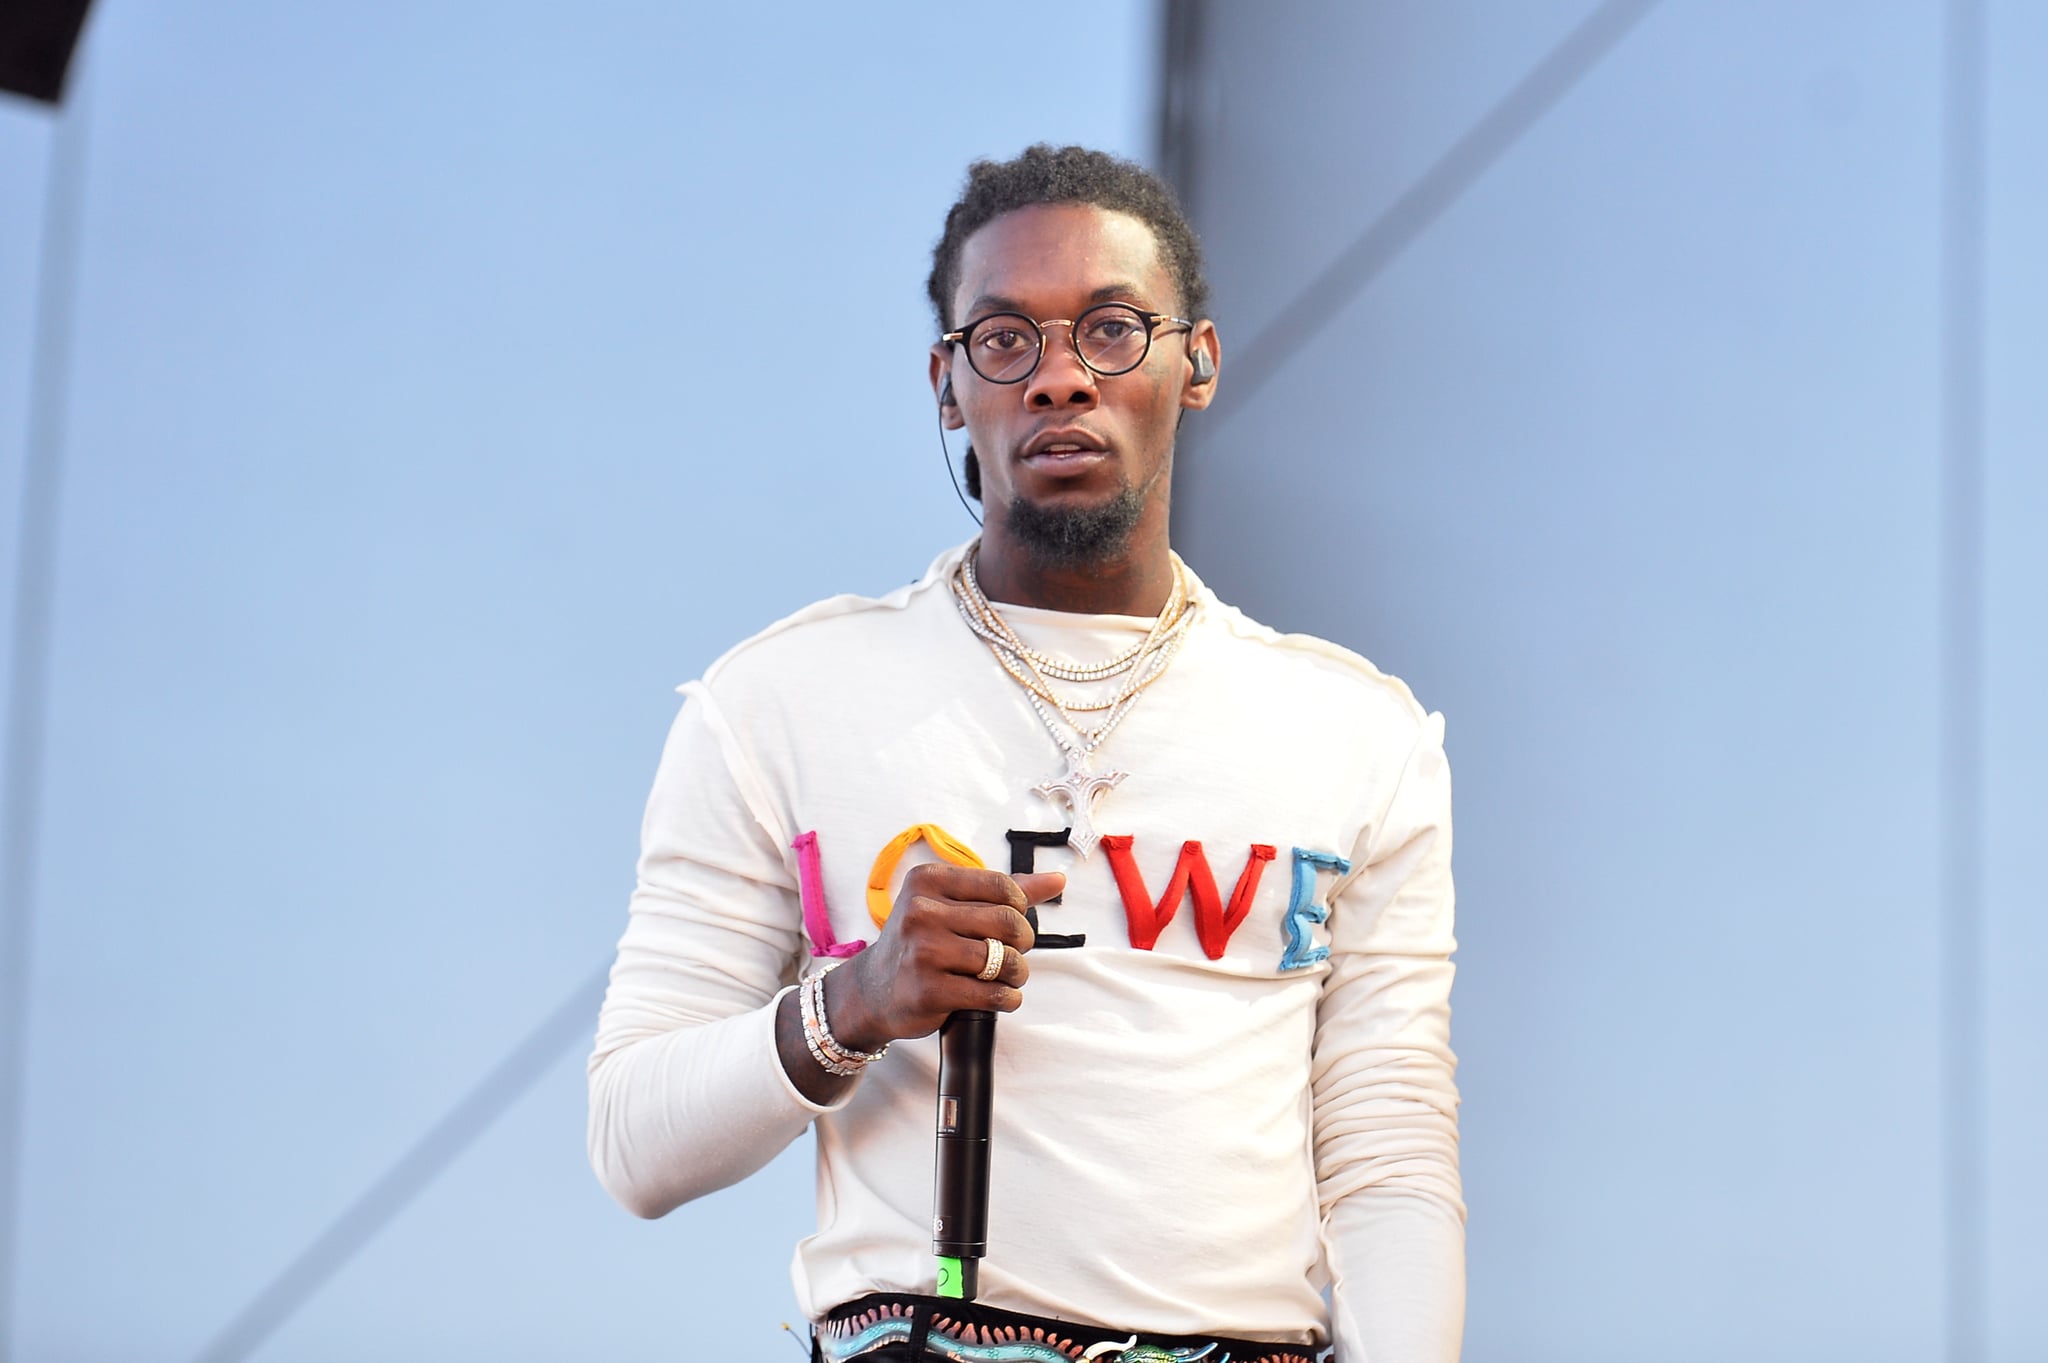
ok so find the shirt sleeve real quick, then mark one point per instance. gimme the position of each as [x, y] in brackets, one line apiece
[687, 1093]
[1385, 1102]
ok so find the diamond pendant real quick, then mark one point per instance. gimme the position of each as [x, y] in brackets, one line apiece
[1080, 789]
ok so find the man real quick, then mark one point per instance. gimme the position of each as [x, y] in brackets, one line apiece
[1221, 947]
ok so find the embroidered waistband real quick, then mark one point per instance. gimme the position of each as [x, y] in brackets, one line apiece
[966, 1332]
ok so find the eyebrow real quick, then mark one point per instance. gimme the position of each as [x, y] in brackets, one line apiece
[992, 303]
[1108, 293]
[1116, 293]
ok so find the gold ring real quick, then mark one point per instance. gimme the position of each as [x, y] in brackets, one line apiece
[993, 966]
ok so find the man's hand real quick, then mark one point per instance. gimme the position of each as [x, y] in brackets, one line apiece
[926, 963]
[922, 968]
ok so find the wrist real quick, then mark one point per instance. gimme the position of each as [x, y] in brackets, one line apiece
[845, 1010]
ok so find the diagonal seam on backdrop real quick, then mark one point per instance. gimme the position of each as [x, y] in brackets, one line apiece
[1320, 300]
[409, 1176]
[28, 679]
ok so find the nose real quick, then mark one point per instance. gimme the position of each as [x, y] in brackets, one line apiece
[1061, 380]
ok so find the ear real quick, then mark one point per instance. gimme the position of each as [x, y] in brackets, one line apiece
[1202, 340]
[942, 388]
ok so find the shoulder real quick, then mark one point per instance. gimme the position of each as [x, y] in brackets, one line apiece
[1337, 683]
[801, 645]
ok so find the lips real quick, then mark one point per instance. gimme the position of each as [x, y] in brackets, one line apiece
[1064, 446]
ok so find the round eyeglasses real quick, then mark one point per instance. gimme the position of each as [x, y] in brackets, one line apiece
[1109, 338]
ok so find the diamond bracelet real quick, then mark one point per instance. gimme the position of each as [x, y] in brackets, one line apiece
[830, 1053]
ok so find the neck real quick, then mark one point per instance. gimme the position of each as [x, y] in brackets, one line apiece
[1137, 582]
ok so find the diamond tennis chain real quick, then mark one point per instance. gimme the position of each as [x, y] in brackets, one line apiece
[1081, 788]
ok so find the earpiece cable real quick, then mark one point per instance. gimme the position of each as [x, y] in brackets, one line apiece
[947, 455]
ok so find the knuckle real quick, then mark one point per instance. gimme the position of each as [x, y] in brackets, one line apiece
[990, 887]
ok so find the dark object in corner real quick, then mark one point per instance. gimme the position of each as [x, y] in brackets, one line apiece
[37, 38]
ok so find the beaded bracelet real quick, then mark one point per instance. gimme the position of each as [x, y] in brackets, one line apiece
[830, 1053]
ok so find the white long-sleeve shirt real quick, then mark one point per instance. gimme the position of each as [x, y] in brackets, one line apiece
[1191, 1136]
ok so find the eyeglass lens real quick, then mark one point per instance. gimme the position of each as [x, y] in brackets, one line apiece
[1111, 338]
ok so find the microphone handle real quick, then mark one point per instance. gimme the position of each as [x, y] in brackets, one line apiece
[967, 1044]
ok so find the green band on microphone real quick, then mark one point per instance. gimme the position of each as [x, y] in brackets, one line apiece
[951, 1282]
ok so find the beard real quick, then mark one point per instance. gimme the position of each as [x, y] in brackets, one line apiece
[1065, 538]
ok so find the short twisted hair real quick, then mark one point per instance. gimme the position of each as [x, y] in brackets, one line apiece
[1068, 175]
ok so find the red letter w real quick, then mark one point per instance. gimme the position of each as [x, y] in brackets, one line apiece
[1213, 922]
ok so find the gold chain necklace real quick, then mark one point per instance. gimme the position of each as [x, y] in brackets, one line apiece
[1081, 788]
[1033, 670]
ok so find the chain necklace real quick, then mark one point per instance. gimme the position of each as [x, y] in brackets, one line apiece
[1081, 788]
[1054, 667]
[1031, 669]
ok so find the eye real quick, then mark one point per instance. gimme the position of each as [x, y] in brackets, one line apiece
[1004, 339]
[1113, 328]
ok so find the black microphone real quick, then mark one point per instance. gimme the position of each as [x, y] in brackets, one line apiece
[967, 1046]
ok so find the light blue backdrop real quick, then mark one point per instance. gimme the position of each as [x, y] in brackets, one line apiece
[427, 424]
[1629, 453]
[432, 416]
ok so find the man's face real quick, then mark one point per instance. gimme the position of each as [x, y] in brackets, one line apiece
[1067, 446]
